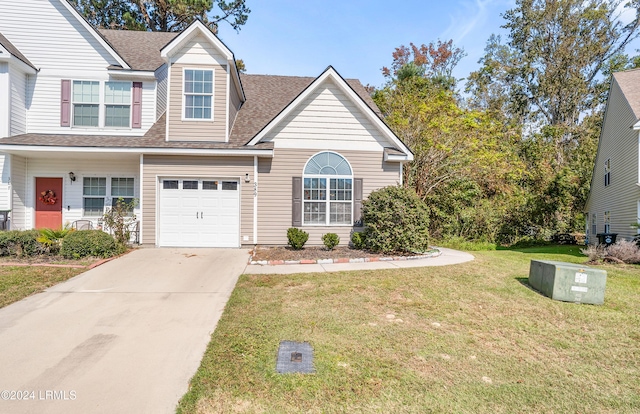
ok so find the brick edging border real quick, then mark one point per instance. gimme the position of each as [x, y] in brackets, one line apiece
[436, 253]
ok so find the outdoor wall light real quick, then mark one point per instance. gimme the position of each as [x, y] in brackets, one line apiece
[72, 176]
[246, 178]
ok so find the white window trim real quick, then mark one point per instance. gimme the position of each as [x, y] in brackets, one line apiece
[102, 111]
[213, 95]
[108, 197]
[328, 189]
[607, 221]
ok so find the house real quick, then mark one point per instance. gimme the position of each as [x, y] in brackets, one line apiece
[613, 204]
[214, 158]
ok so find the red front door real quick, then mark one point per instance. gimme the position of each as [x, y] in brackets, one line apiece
[48, 203]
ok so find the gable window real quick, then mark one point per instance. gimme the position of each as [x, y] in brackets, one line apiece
[94, 190]
[198, 94]
[327, 190]
[607, 172]
[86, 103]
[607, 222]
[117, 104]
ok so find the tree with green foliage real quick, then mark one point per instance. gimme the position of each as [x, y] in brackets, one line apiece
[162, 15]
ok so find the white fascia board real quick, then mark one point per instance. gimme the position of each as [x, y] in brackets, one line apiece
[636, 126]
[5, 56]
[346, 89]
[178, 42]
[94, 33]
[132, 74]
[236, 79]
[268, 153]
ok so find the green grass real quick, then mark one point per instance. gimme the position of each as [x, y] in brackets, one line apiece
[18, 282]
[474, 338]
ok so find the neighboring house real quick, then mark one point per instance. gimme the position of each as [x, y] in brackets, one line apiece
[213, 157]
[614, 201]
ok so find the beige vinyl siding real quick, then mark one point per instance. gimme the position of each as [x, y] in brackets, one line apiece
[234, 104]
[165, 166]
[618, 142]
[327, 118]
[274, 191]
[197, 130]
[19, 192]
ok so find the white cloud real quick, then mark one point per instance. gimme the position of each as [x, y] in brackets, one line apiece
[470, 16]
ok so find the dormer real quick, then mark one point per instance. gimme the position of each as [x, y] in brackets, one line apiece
[204, 89]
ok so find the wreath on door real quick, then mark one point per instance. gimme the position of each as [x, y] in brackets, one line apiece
[48, 197]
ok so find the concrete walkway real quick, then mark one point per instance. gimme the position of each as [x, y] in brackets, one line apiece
[124, 337]
[448, 257]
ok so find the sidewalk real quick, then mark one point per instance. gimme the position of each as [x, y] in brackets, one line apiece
[448, 257]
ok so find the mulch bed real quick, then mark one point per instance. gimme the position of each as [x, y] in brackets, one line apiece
[274, 255]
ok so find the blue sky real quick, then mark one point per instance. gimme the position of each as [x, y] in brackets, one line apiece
[357, 37]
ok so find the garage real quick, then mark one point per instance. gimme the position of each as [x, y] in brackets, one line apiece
[199, 212]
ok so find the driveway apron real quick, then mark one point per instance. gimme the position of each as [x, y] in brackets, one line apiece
[124, 337]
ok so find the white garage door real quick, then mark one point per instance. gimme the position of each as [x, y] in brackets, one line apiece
[199, 212]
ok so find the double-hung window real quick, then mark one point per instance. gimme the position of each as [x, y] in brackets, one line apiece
[607, 222]
[594, 224]
[117, 104]
[111, 108]
[327, 190]
[86, 103]
[94, 191]
[122, 189]
[198, 94]
[607, 172]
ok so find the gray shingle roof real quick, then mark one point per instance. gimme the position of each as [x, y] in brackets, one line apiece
[267, 96]
[629, 82]
[14, 51]
[141, 50]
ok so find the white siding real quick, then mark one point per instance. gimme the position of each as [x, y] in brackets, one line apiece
[200, 51]
[23, 182]
[327, 118]
[62, 49]
[619, 143]
[161, 91]
[19, 194]
[18, 80]
[5, 187]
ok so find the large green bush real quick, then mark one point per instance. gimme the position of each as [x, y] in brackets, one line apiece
[84, 243]
[21, 243]
[396, 220]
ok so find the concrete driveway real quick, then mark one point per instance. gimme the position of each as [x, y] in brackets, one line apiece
[125, 337]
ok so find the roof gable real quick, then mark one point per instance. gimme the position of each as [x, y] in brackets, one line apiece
[196, 28]
[330, 74]
[6, 47]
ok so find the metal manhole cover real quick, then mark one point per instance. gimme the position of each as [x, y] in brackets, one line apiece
[295, 357]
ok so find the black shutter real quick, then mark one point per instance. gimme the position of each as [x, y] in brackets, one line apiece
[357, 202]
[296, 198]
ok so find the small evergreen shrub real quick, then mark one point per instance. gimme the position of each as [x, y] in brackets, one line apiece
[330, 240]
[84, 243]
[52, 238]
[297, 238]
[358, 240]
[21, 243]
[396, 220]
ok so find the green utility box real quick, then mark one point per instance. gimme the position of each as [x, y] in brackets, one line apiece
[568, 282]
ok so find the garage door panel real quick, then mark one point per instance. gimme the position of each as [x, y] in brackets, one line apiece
[199, 213]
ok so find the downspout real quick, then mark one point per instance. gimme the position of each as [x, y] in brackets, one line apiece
[255, 199]
[401, 174]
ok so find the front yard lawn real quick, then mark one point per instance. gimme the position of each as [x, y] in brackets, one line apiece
[18, 282]
[467, 338]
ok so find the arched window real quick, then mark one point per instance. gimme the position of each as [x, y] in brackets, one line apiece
[327, 190]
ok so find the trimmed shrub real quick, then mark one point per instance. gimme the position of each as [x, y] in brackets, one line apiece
[358, 240]
[297, 238]
[396, 220]
[21, 243]
[330, 240]
[84, 243]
